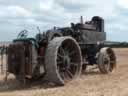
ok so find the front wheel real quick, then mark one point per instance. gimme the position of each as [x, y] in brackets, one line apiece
[106, 60]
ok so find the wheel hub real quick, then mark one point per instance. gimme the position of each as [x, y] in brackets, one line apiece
[106, 61]
[66, 61]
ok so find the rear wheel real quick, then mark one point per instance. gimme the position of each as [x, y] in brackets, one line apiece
[106, 60]
[63, 60]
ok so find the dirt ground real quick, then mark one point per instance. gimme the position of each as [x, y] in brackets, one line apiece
[92, 83]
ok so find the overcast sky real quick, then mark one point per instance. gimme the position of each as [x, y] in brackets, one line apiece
[16, 15]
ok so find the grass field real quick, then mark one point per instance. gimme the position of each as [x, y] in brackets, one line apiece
[92, 83]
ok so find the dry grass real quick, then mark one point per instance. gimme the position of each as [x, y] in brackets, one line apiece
[90, 84]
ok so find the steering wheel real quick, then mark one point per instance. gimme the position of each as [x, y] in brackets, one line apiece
[23, 34]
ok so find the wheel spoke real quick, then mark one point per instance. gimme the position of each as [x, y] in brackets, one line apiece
[61, 72]
[110, 54]
[59, 62]
[72, 53]
[60, 55]
[112, 62]
[75, 64]
[69, 73]
[66, 75]
[62, 50]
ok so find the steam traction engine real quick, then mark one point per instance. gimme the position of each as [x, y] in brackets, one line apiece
[61, 54]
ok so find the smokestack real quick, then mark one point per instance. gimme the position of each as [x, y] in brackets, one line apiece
[81, 20]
